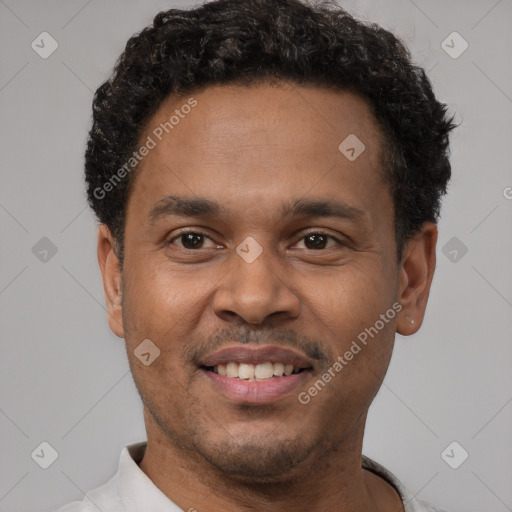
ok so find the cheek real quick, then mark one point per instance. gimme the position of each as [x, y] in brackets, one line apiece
[354, 311]
[159, 302]
[166, 397]
[349, 301]
[167, 307]
[158, 307]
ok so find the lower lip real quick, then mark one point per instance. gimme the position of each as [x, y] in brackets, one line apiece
[256, 392]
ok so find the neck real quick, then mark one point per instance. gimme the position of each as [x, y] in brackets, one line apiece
[332, 480]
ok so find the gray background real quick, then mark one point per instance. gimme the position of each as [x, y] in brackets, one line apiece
[64, 375]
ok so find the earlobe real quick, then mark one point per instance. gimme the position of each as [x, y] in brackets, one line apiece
[416, 273]
[112, 279]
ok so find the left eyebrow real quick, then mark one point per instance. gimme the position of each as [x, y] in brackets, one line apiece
[202, 207]
[321, 208]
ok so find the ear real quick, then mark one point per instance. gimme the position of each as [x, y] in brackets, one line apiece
[416, 273]
[112, 279]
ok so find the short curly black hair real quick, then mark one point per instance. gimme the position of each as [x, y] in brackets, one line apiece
[248, 41]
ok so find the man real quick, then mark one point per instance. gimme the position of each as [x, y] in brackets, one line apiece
[267, 176]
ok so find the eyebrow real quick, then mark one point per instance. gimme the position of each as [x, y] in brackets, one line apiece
[202, 207]
[321, 208]
[184, 207]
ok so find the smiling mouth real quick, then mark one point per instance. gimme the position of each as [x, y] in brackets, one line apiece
[256, 372]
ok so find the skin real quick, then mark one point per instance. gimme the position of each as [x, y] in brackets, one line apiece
[251, 150]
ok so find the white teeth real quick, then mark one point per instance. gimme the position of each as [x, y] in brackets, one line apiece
[278, 369]
[232, 370]
[264, 371]
[251, 372]
[246, 371]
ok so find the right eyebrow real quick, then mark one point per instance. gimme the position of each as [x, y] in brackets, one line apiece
[185, 207]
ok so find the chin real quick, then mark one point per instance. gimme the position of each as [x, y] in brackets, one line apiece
[256, 459]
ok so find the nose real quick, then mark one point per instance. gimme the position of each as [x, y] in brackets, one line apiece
[255, 291]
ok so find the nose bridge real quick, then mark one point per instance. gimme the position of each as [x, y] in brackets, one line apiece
[255, 288]
[255, 270]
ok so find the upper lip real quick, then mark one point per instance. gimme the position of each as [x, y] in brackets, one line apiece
[257, 355]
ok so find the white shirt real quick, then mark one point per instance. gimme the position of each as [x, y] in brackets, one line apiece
[131, 490]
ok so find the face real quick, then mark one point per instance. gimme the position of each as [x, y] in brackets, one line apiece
[252, 244]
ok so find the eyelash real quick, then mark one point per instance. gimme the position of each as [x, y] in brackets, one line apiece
[195, 232]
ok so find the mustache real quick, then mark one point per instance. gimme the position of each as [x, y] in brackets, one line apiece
[281, 337]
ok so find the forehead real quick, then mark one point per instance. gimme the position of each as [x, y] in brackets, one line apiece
[284, 114]
[255, 145]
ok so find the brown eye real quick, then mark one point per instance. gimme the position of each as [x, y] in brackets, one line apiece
[316, 241]
[191, 240]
